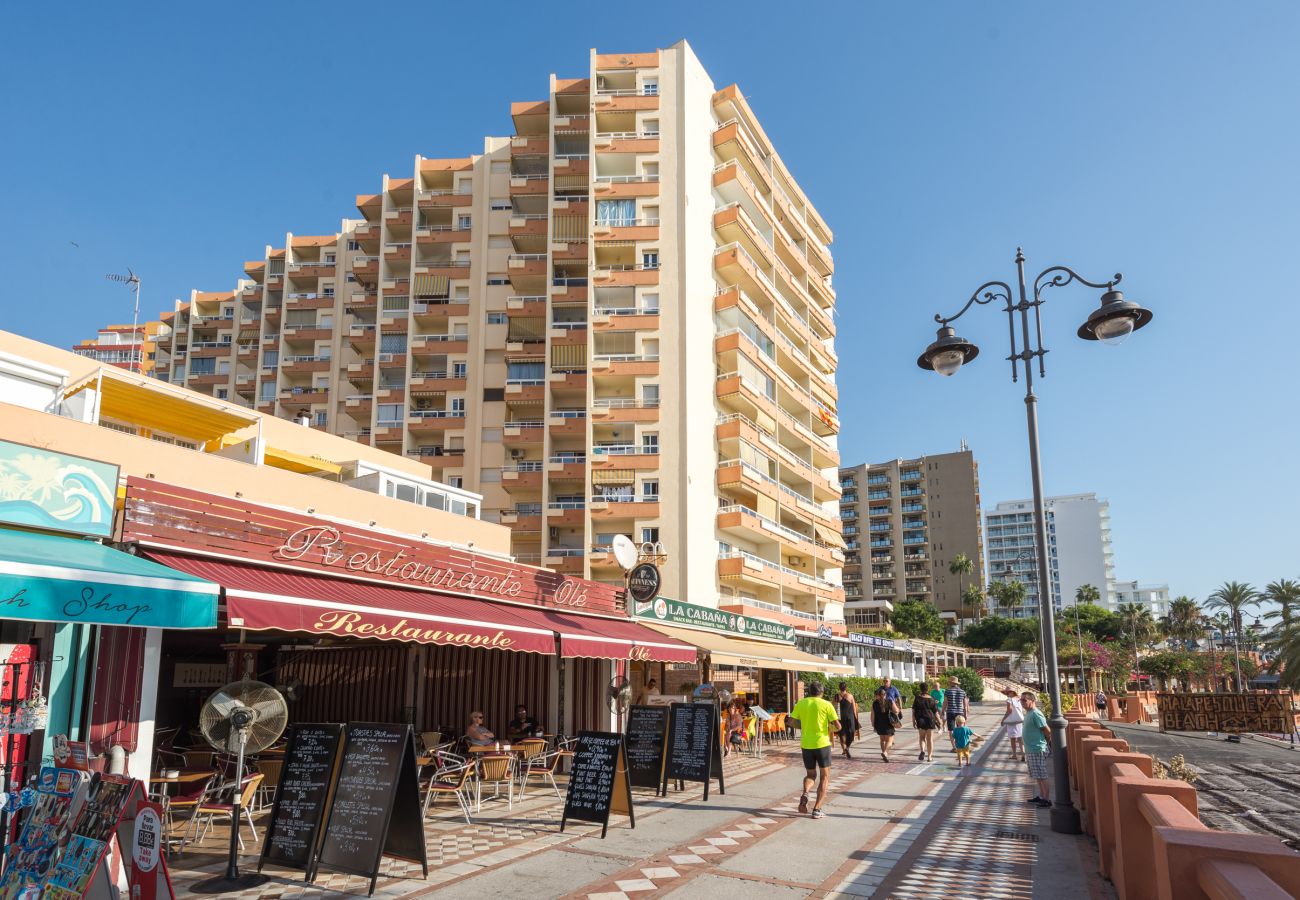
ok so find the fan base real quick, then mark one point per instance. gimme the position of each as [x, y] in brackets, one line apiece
[223, 884]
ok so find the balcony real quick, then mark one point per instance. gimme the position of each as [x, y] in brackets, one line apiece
[606, 507]
[307, 332]
[359, 406]
[523, 185]
[427, 235]
[566, 467]
[566, 514]
[624, 456]
[438, 458]
[361, 338]
[627, 141]
[523, 433]
[304, 365]
[755, 526]
[294, 398]
[202, 349]
[397, 252]
[568, 423]
[625, 364]
[423, 421]
[617, 187]
[566, 560]
[528, 225]
[439, 344]
[788, 615]
[623, 100]
[617, 410]
[739, 564]
[627, 275]
[522, 477]
[527, 264]
[435, 381]
[624, 318]
[529, 306]
[444, 198]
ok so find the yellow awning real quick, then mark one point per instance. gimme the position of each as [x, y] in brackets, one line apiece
[829, 536]
[430, 286]
[569, 355]
[613, 476]
[570, 228]
[526, 328]
[150, 404]
[728, 651]
[296, 462]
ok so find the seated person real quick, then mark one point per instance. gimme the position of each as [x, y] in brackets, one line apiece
[477, 733]
[523, 725]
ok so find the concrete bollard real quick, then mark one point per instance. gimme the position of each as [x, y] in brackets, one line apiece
[1180, 849]
[1087, 804]
[1111, 764]
[1134, 849]
[1073, 733]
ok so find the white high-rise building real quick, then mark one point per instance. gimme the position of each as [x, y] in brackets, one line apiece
[1079, 544]
[1154, 597]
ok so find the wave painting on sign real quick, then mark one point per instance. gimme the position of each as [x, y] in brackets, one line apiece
[44, 489]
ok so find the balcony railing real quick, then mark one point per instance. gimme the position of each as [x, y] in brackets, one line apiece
[777, 567]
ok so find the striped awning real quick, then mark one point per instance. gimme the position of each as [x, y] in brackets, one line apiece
[569, 355]
[571, 181]
[613, 476]
[570, 228]
[527, 328]
[829, 536]
[431, 286]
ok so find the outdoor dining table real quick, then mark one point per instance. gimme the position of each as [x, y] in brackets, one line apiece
[165, 784]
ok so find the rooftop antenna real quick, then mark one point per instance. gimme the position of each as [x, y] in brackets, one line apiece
[132, 281]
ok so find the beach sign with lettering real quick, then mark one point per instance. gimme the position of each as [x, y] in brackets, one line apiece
[375, 809]
[310, 761]
[598, 782]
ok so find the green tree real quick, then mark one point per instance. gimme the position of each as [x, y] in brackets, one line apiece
[1008, 594]
[1087, 593]
[973, 599]
[1285, 643]
[1140, 627]
[1234, 598]
[1285, 592]
[1184, 623]
[918, 619]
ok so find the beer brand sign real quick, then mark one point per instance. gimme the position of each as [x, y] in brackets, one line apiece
[168, 515]
[1231, 713]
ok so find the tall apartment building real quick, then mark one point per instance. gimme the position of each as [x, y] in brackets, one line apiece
[1079, 544]
[132, 347]
[1154, 597]
[616, 320]
[904, 521]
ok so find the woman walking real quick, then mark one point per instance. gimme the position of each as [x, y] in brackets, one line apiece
[925, 719]
[883, 715]
[1014, 720]
[937, 693]
[848, 708]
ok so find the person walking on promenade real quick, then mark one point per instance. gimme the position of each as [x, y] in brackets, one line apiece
[1101, 703]
[817, 720]
[937, 693]
[1038, 749]
[961, 741]
[955, 703]
[1014, 719]
[884, 716]
[925, 719]
[848, 705]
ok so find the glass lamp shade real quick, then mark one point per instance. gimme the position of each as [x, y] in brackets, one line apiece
[1115, 330]
[948, 362]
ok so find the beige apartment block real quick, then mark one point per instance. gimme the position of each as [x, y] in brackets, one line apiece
[616, 320]
[904, 521]
[130, 347]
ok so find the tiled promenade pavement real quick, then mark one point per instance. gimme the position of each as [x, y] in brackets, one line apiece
[904, 829]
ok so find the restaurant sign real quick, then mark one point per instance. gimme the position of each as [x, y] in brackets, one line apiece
[871, 640]
[43, 489]
[171, 516]
[1230, 713]
[675, 612]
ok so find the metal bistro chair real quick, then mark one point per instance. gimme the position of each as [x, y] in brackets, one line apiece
[212, 809]
[496, 768]
[453, 780]
[191, 800]
[431, 740]
[542, 767]
[270, 767]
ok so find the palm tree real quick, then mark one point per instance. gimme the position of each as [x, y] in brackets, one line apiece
[1234, 598]
[1008, 594]
[1285, 592]
[1285, 642]
[973, 598]
[1087, 593]
[1184, 621]
[1139, 624]
[960, 565]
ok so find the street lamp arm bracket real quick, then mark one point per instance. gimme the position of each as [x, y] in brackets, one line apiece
[1063, 275]
[985, 293]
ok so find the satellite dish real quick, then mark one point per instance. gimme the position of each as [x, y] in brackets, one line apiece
[625, 551]
[242, 717]
[619, 694]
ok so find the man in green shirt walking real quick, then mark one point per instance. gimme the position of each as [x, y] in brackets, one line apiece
[818, 720]
[1038, 749]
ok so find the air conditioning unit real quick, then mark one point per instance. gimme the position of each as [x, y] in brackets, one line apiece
[385, 357]
[516, 454]
[796, 560]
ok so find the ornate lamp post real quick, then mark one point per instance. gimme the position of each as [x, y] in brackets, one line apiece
[1111, 323]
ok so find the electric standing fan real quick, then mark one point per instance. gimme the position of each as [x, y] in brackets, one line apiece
[242, 717]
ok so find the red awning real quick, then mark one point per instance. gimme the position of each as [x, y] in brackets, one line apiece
[260, 598]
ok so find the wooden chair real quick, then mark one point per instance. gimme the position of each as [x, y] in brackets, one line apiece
[541, 767]
[270, 768]
[496, 769]
[198, 759]
[212, 809]
[431, 740]
[453, 780]
[529, 748]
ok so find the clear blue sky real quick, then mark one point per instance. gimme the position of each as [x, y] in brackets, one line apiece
[1157, 139]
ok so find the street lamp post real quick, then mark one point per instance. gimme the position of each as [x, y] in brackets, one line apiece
[1111, 323]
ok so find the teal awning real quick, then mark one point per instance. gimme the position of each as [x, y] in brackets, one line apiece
[45, 578]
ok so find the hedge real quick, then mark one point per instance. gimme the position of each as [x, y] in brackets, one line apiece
[863, 689]
[971, 682]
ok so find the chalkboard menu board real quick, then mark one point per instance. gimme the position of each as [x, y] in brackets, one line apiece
[376, 806]
[299, 808]
[598, 781]
[776, 690]
[692, 747]
[646, 728]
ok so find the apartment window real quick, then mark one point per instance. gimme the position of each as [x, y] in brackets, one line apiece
[649, 535]
[462, 223]
[268, 391]
[525, 371]
[458, 405]
[650, 443]
[458, 370]
[392, 343]
[456, 481]
[489, 476]
[650, 215]
[500, 168]
[501, 204]
[498, 318]
[329, 259]
[354, 246]
[650, 126]
[228, 312]
[320, 418]
[491, 435]
[222, 393]
[328, 292]
[497, 280]
[650, 170]
[494, 395]
[650, 259]
[650, 490]
[650, 303]
[460, 329]
[650, 348]
[462, 292]
[498, 243]
[390, 413]
[203, 366]
[650, 87]
[351, 279]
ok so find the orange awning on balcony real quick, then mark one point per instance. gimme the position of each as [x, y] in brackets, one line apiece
[613, 476]
[829, 536]
[568, 355]
[430, 286]
[570, 228]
